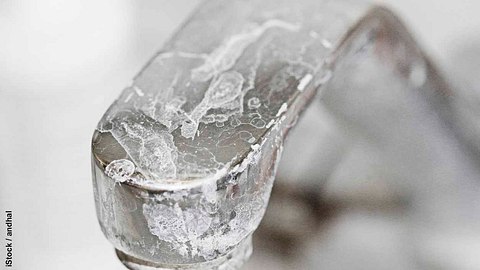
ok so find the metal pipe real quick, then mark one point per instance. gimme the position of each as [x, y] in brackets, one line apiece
[184, 160]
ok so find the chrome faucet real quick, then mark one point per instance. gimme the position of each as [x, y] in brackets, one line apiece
[185, 159]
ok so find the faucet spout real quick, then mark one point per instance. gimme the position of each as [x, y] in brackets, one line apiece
[184, 160]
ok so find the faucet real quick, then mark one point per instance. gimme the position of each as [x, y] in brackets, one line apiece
[185, 159]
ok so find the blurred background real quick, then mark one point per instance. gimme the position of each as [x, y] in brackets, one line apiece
[62, 63]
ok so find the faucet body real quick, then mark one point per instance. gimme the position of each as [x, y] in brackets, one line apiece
[185, 159]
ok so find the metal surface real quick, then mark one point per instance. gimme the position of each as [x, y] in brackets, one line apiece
[184, 160]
